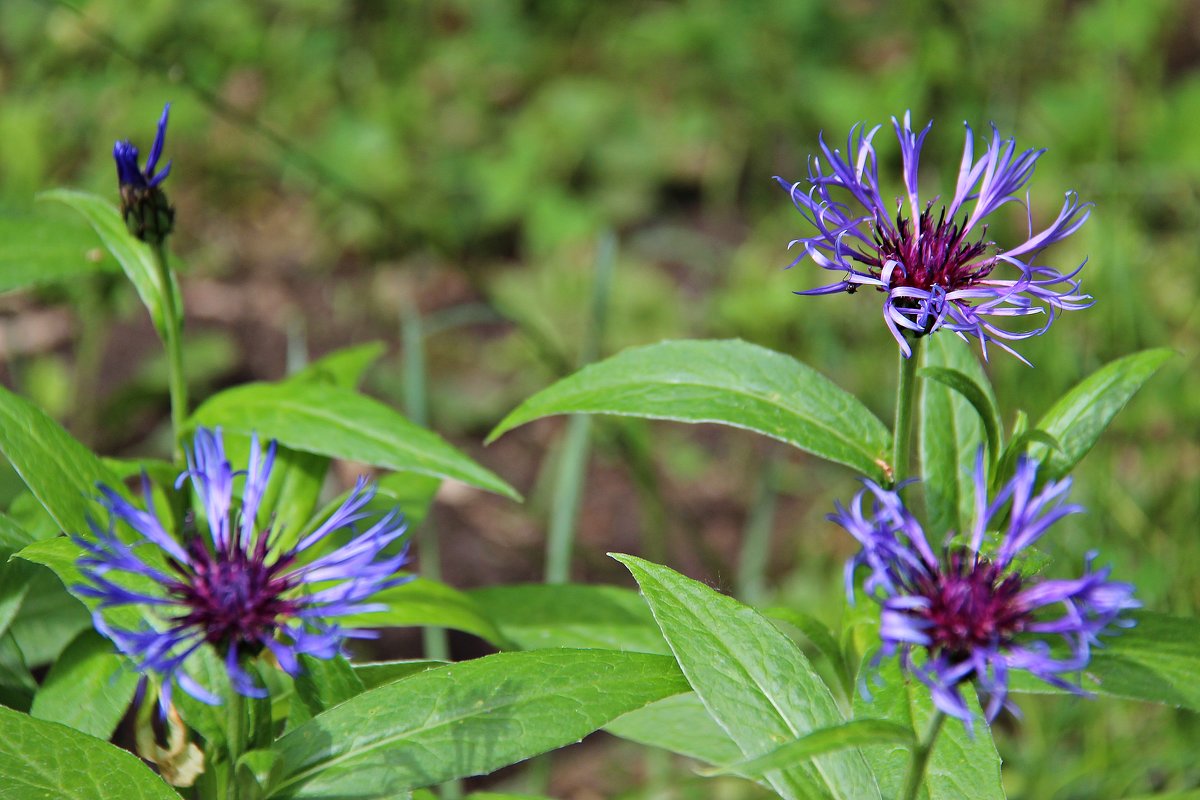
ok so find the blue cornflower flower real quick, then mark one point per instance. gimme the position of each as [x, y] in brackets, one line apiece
[935, 264]
[147, 213]
[232, 588]
[966, 615]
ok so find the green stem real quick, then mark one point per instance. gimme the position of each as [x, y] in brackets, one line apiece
[920, 757]
[173, 341]
[237, 710]
[906, 394]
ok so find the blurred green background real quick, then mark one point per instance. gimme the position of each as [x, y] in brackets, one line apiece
[340, 165]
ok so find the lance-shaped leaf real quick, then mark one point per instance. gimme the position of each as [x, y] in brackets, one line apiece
[38, 249]
[334, 421]
[60, 472]
[680, 724]
[857, 733]
[134, 256]
[88, 688]
[465, 719]
[41, 760]
[424, 601]
[754, 681]
[1081, 415]
[728, 382]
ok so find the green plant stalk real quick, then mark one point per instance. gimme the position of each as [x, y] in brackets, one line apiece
[238, 709]
[572, 465]
[906, 396]
[173, 342]
[920, 757]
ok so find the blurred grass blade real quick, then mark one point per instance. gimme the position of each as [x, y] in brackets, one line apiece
[859, 733]
[573, 458]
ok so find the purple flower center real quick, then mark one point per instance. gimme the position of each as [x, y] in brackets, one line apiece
[234, 596]
[934, 256]
[972, 604]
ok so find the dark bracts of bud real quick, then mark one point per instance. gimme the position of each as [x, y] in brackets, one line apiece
[148, 214]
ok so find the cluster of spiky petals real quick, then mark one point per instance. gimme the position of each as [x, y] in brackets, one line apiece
[232, 587]
[964, 615]
[935, 269]
[125, 153]
[147, 213]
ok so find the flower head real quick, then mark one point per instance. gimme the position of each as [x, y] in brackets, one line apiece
[934, 262]
[231, 587]
[144, 207]
[966, 615]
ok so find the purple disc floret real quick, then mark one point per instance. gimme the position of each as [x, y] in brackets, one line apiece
[967, 613]
[934, 262]
[232, 587]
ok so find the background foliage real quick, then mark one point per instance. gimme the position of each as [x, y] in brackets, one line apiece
[345, 168]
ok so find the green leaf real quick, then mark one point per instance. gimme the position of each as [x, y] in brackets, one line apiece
[466, 719]
[60, 472]
[858, 733]
[37, 250]
[50, 617]
[754, 681]
[60, 555]
[16, 681]
[979, 398]
[819, 635]
[1156, 660]
[135, 257]
[412, 493]
[47, 761]
[1081, 415]
[325, 682]
[338, 422]
[377, 673]
[950, 434]
[343, 367]
[680, 724]
[728, 382]
[532, 616]
[959, 766]
[15, 578]
[426, 602]
[88, 688]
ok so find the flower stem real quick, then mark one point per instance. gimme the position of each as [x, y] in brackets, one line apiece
[906, 394]
[173, 341]
[237, 709]
[920, 757]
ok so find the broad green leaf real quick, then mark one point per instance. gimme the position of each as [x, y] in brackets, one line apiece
[15, 578]
[60, 555]
[466, 719]
[134, 256]
[36, 250]
[1081, 415]
[951, 433]
[50, 617]
[325, 682]
[426, 602]
[1157, 660]
[680, 724]
[858, 733]
[12, 535]
[16, 681]
[819, 635]
[342, 367]
[58, 470]
[753, 680]
[338, 422]
[89, 687]
[959, 766]
[728, 382]
[46, 761]
[377, 673]
[532, 616]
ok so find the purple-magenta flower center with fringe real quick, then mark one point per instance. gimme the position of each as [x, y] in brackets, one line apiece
[972, 604]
